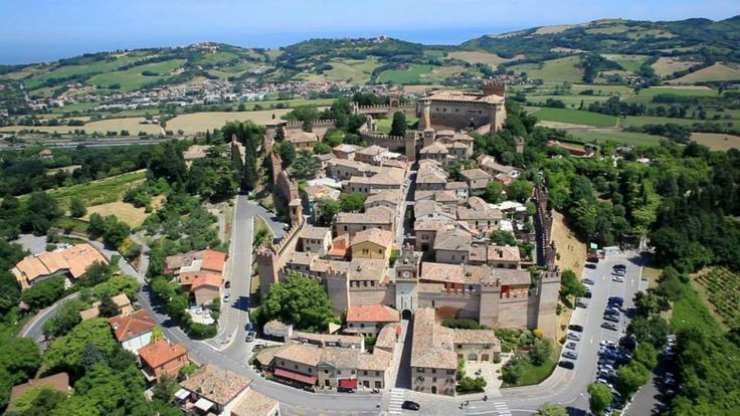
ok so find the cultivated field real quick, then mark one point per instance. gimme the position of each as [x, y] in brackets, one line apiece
[717, 141]
[666, 66]
[352, 70]
[67, 71]
[628, 62]
[566, 115]
[716, 72]
[475, 57]
[555, 70]
[134, 78]
[132, 124]
[102, 191]
[637, 121]
[124, 211]
[617, 136]
[200, 122]
[720, 289]
[413, 74]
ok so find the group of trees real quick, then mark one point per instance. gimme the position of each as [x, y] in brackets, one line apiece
[300, 301]
[531, 351]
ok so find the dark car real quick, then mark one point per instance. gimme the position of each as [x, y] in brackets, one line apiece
[567, 364]
[587, 295]
[612, 311]
[616, 300]
[611, 318]
[228, 284]
[609, 325]
[570, 354]
[588, 281]
[619, 267]
[409, 405]
[576, 328]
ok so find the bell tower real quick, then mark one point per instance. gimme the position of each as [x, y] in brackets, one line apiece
[407, 279]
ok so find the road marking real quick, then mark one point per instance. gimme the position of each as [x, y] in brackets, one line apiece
[396, 400]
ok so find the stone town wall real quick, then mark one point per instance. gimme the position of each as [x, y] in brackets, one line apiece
[462, 305]
[297, 124]
[371, 296]
[513, 313]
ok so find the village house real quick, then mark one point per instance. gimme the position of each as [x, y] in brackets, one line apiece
[477, 179]
[212, 390]
[373, 243]
[161, 358]
[387, 179]
[493, 168]
[200, 273]
[315, 239]
[369, 319]
[71, 262]
[120, 300]
[345, 151]
[430, 176]
[301, 140]
[133, 331]
[351, 222]
[256, 404]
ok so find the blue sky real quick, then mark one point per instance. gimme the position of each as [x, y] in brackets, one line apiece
[36, 30]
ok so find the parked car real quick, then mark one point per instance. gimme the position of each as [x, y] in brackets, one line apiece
[409, 405]
[571, 345]
[587, 295]
[618, 279]
[612, 311]
[567, 364]
[616, 300]
[577, 328]
[588, 281]
[226, 297]
[250, 336]
[227, 285]
[582, 303]
[609, 325]
[570, 354]
[573, 336]
[619, 267]
[611, 318]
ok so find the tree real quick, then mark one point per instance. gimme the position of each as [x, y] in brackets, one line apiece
[570, 285]
[107, 307]
[44, 293]
[654, 330]
[503, 238]
[552, 410]
[601, 397]
[97, 273]
[328, 209]
[10, 293]
[540, 351]
[165, 389]
[321, 148]
[65, 319]
[398, 126]
[646, 355]
[353, 202]
[77, 208]
[280, 134]
[306, 166]
[66, 353]
[631, 377]
[520, 190]
[300, 301]
[20, 358]
[287, 153]
[39, 401]
[493, 193]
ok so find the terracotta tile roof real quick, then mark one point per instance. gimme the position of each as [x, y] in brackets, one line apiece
[379, 360]
[131, 326]
[432, 344]
[327, 339]
[512, 277]
[387, 337]
[377, 236]
[372, 313]
[58, 382]
[476, 336]
[434, 148]
[392, 196]
[367, 269]
[254, 404]
[75, 259]
[161, 352]
[339, 246]
[213, 260]
[300, 136]
[453, 239]
[300, 353]
[216, 384]
[461, 96]
[316, 233]
[475, 175]
[209, 279]
[374, 215]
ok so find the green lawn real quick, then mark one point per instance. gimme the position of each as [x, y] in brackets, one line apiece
[566, 115]
[537, 374]
[554, 70]
[411, 75]
[384, 124]
[630, 63]
[621, 90]
[691, 313]
[646, 95]
[637, 121]
[572, 101]
[133, 78]
[353, 70]
[626, 137]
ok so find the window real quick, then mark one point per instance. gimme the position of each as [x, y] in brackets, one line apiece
[452, 371]
[378, 385]
[377, 373]
[295, 366]
[434, 371]
[326, 371]
[310, 370]
[364, 373]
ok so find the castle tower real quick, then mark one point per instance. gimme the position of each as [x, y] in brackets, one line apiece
[429, 135]
[394, 100]
[410, 141]
[296, 212]
[267, 263]
[519, 144]
[426, 114]
[548, 295]
[407, 279]
[490, 295]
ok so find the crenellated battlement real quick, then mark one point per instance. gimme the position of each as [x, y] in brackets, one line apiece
[297, 124]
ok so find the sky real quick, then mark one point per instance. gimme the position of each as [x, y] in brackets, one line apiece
[44, 30]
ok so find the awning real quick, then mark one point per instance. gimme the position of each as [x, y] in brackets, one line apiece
[348, 383]
[203, 404]
[182, 394]
[301, 378]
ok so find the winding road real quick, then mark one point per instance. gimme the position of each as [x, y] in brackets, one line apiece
[566, 387]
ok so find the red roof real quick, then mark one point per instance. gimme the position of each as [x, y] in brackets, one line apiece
[301, 378]
[372, 313]
[131, 326]
[208, 279]
[348, 383]
[161, 352]
[213, 260]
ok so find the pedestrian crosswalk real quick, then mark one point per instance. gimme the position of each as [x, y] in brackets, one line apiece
[394, 405]
[487, 409]
[501, 409]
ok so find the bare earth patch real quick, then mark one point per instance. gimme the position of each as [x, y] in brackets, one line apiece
[124, 211]
[666, 66]
[487, 58]
[571, 251]
[200, 122]
[717, 141]
[716, 72]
